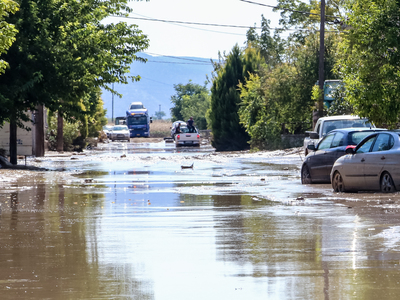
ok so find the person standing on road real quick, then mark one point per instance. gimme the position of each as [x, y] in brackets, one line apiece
[190, 124]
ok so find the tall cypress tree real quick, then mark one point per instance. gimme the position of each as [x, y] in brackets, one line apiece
[228, 133]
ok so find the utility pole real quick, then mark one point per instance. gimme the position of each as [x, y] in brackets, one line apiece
[321, 78]
[112, 110]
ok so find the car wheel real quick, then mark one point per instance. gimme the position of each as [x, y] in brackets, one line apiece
[337, 183]
[305, 175]
[387, 185]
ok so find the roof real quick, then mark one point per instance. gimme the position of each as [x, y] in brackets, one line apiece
[343, 117]
[351, 129]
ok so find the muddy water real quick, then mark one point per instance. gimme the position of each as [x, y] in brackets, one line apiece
[128, 222]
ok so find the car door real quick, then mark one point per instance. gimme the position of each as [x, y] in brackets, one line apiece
[333, 153]
[375, 160]
[353, 165]
[317, 161]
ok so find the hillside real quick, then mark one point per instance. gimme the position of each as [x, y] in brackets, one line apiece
[156, 87]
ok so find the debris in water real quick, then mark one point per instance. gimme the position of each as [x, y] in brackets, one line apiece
[187, 167]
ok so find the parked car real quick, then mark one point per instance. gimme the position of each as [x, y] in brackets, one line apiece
[326, 124]
[318, 163]
[372, 166]
[107, 129]
[120, 132]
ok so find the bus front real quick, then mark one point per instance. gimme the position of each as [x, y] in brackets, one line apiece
[138, 125]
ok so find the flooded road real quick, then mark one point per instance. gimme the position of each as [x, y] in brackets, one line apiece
[126, 221]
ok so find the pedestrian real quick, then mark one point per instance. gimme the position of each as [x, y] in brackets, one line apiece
[190, 125]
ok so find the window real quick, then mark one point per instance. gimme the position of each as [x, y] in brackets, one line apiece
[383, 142]
[136, 106]
[366, 145]
[356, 137]
[326, 142]
[137, 120]
[338, 140]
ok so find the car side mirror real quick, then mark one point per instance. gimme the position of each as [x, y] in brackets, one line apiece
[311, 147]
[314, 135]
[350, 150]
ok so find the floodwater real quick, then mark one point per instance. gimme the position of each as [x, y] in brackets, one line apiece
[128, 222]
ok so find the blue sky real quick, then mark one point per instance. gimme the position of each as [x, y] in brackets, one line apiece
[194, 40]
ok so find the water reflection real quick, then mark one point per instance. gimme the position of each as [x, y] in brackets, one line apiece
[146, 229]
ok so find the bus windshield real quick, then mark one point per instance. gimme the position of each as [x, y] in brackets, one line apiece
[137, 120]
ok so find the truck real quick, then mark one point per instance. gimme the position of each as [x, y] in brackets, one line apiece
[138, 120]
[327, 124]
[185, 137]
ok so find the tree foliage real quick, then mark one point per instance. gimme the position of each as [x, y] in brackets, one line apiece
[159, 115]
[7, 30]
[370, 64]
[191, 100]
[228, 133]
[278, 99]
[63, 51]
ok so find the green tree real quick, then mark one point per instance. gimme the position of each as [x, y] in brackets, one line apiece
[159, 115]
[8, 31]
[191, 100]
[371, 60]
[228, 133]
[278, 100]
[270, 47]
[64, 51]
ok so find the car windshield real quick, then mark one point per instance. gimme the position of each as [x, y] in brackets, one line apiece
[119, 128]
[184, 129]
[137, 106]
[137, 120]
[356, 137]
[339, 124]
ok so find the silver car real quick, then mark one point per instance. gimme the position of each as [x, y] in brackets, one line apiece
[372, 166]
[120, 132]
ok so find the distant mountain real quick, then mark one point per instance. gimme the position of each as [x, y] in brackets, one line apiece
[156, 87]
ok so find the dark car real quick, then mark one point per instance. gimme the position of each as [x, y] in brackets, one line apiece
[318, 164]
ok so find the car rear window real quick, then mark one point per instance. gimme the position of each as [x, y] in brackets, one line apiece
[339, 124]
[356, 137]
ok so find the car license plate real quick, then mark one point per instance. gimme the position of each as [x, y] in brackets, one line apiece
[188, 142]
[120, 135]
[138, 134]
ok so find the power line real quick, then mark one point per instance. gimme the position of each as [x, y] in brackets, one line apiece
[286, 9]
[201, 29]
[185, 22]
[211, 24]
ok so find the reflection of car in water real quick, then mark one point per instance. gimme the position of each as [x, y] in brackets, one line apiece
[318, 163]
[120, 132]
[373, 165]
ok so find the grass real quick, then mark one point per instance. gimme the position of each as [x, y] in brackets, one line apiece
[160, 128]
